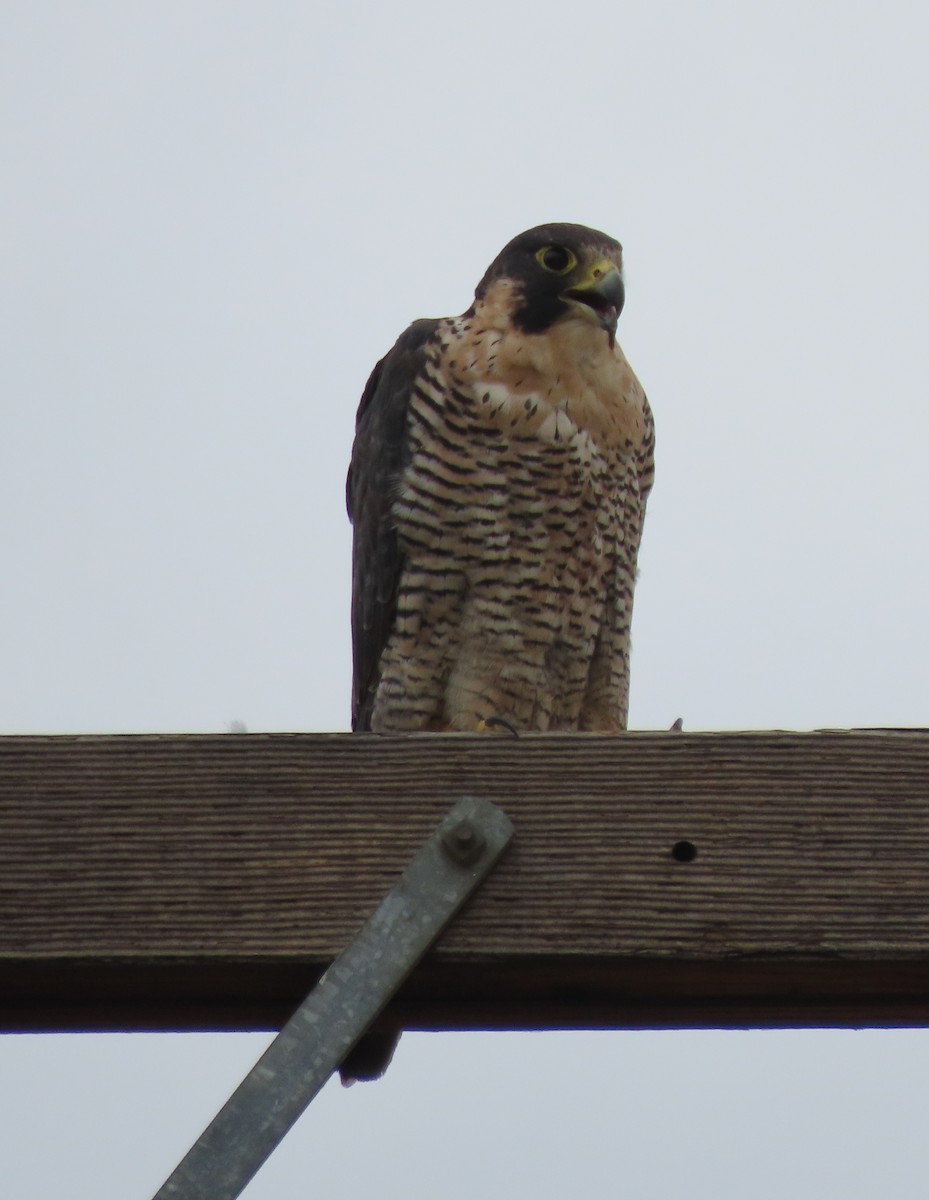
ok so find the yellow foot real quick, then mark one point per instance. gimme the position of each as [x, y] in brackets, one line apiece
[489, 724]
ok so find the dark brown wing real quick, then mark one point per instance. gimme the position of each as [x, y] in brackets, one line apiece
[378, 458]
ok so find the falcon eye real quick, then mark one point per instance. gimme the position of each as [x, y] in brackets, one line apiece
[556, 259]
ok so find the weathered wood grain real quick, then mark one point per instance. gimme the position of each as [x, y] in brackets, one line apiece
[205, 881]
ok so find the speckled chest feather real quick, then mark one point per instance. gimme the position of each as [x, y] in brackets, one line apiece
[519, 513]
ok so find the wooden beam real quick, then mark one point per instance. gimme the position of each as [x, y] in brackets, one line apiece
[189, 882]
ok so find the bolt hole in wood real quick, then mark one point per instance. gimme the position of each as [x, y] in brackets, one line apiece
[683, 852]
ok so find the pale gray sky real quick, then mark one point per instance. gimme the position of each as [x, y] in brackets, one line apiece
[215, 218]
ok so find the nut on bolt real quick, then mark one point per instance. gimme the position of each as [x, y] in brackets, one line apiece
[463, 843]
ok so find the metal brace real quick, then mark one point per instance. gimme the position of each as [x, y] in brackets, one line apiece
[452, 864]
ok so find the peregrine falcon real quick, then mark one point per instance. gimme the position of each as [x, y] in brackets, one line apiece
[497, 488]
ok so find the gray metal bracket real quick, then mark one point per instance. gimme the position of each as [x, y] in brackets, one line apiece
[446, 871]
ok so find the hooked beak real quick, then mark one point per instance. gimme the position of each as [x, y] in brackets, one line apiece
[599, 296]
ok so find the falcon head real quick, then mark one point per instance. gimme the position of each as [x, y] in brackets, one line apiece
[560, 273]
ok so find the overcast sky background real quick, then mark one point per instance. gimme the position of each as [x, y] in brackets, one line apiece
[215, 218]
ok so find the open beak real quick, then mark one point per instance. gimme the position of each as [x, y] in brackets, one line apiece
[602, 294]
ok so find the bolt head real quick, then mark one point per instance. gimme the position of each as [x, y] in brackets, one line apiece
[463, 842]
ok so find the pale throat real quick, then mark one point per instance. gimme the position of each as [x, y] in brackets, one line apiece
[520, 379]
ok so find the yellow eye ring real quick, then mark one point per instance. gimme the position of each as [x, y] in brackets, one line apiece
[557, 260]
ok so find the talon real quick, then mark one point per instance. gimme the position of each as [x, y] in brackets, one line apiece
[488, 724]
